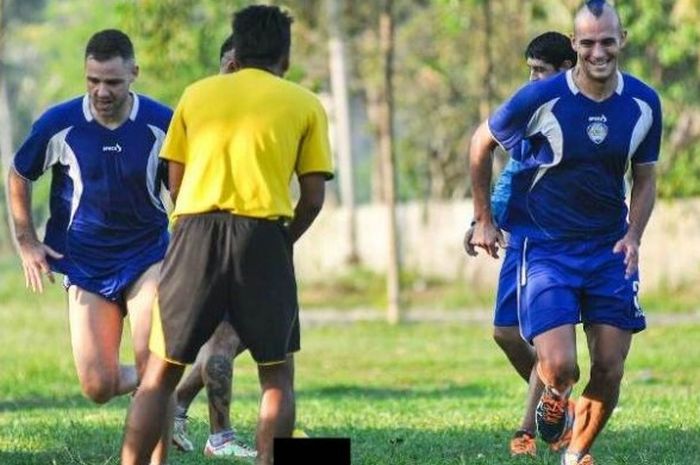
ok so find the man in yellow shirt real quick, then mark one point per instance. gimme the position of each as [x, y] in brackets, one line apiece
[213, 368]
[233, 145]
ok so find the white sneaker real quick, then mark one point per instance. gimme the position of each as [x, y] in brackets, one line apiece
[231, 448]
[180, 439]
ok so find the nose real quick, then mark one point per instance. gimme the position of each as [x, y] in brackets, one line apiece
[101, 90]
[598, 51]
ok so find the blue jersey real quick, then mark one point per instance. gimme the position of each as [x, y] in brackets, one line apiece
[105, 210]
[502, 190]
[571, 182]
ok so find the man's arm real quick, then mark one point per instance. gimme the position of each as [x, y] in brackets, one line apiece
[313, 191]
[485, 234]
[175, 173]
[32, 252]
[641, 205]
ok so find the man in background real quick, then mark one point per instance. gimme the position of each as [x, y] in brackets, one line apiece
[546, 55]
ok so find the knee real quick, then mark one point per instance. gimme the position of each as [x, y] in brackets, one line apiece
[559, 370]
[99, 389]
[607, 373]
[278, 377]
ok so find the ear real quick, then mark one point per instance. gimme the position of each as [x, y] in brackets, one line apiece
[135, 71]
[284, 64]
[572, 36]
[231, 66]
[565, 65]
[623, 38]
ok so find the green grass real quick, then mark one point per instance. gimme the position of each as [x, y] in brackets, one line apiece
[423, 394]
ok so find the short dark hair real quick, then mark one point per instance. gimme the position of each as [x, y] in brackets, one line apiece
[108, 44]
[551, 47]
[227, 46]
[261, 35]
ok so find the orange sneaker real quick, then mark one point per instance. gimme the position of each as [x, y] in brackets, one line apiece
[522, 444]
[565, 438]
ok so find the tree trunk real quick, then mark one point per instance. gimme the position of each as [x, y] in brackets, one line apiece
[341, 113]
[487, 67]
[5, 134]
[386, 147]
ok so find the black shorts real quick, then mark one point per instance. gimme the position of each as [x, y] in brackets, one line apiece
[222, 266]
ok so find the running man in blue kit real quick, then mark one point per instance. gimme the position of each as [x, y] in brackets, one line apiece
[107, 231]
[580, 249]
[546, 55]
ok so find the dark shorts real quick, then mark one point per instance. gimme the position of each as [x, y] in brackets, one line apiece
[567, 282]
[222, 266]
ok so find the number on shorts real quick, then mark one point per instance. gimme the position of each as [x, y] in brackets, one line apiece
[638, 308]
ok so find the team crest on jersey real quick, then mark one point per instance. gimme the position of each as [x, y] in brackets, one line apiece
[597, 129]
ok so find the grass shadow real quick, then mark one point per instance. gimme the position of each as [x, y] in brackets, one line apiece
[338, 391]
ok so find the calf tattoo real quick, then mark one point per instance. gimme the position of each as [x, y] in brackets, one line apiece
[218, 383]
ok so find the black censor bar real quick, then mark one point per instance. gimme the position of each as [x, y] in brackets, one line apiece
[299, 451]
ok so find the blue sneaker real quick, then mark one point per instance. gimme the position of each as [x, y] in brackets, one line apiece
[554, 416]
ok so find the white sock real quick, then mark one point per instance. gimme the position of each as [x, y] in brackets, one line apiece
[221, 437]
[180, 412]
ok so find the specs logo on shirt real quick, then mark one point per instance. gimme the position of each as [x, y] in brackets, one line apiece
[597, 130]
[116, 148]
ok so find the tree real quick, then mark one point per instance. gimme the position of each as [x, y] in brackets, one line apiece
[387, 154]
[662, 49]
[5, 127]
[341, 114]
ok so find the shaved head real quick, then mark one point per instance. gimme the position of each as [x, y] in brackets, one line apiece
[597, 9]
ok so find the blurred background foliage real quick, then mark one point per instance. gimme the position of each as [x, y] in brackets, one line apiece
[455, 60]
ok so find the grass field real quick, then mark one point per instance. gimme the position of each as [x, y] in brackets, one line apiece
[424, 394]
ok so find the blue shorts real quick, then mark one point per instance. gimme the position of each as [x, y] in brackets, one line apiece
[113, 287]
[568, 282]
[506, 311]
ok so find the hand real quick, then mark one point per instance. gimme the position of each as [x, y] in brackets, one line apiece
[33, 254]
[487, 237]
[630, 247]
[468, 246]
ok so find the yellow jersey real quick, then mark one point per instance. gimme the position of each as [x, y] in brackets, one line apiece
[241, 137]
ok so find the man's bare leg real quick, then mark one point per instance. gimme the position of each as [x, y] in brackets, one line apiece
[277, 407]
[96, 330]
[558, 369]
[140, 299]
[217, 373]
[608, 347]
[149, 411]
[522, 357]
